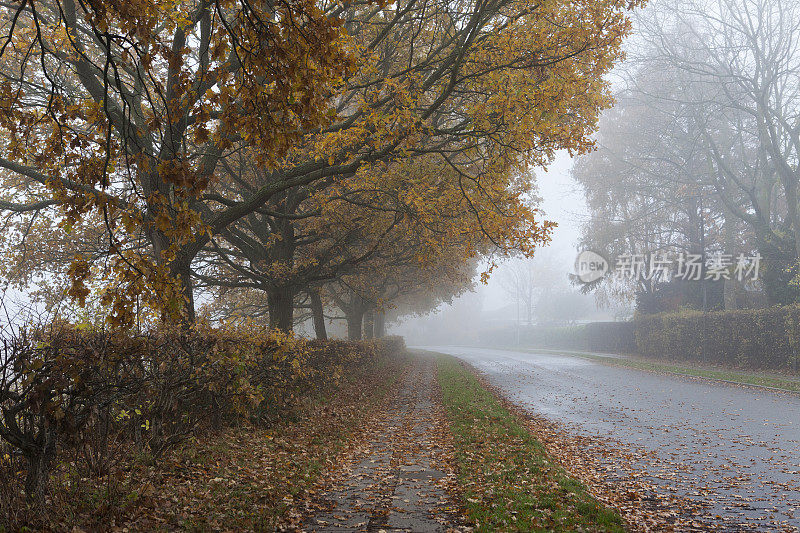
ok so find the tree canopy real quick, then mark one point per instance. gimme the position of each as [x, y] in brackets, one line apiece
[280, 145]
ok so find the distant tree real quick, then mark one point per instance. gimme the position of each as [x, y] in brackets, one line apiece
[742, 62]
[699, 155]
[535, 280]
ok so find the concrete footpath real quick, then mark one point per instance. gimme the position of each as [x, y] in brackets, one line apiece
[400, 483]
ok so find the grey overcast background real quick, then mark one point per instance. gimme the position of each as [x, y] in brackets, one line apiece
[493, 304]
[563, 203]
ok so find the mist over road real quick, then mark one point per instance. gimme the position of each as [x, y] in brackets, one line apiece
[736, 450]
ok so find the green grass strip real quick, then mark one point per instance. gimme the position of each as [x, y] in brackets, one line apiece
[735, 376]
[509, 482]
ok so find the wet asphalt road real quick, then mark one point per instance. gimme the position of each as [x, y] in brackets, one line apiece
[736, 450]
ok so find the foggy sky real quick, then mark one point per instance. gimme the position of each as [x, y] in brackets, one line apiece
[562, 202]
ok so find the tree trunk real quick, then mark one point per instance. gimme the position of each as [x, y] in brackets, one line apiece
[181, 272]
[39, 462]
[184, 275]
[281, 308]
[379, 326]
[354, 321]
[529, 309]
[790, 191]
[369, 324]
[317, 312]
[729, 285]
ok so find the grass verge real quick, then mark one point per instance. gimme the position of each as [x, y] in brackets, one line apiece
[757, 379]
[507, 479]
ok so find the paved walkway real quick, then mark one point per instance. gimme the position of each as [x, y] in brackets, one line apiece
[400, 483]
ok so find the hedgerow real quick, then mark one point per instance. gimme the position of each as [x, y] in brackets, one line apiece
[752, 339]
[89, 396]
[759, 339]
[595, 336]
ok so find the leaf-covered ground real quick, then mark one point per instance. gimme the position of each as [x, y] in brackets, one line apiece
[402, 477]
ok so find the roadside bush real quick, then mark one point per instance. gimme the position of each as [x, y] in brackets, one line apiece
[596, 336]
[312, 364]
[87, 390]
[759, 339]
[49, 390]
[615, 337]
[87, 398]
[391, 345]
[566, 337]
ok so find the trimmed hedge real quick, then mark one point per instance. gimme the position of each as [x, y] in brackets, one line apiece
[758, 339]
[615, 337]
[755, 339]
